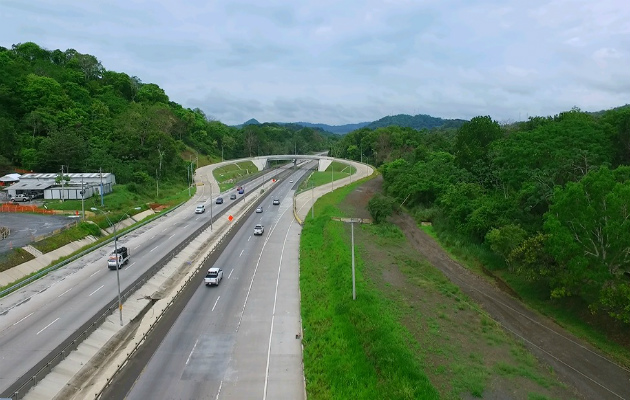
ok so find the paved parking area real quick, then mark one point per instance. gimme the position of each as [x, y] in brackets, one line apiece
[25, 227]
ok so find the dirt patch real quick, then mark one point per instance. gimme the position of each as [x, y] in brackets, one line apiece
[475, 339]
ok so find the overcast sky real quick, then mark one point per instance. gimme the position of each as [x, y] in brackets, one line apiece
[340, 62]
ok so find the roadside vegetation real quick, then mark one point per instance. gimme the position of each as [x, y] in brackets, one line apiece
[227, 175]
[410, 333]
[14, 257]
[571, 313]
[335, 171]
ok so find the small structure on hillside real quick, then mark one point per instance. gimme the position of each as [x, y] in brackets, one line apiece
[75, 186]
[9, 179]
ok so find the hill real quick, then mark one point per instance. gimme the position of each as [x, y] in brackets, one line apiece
[420, 121]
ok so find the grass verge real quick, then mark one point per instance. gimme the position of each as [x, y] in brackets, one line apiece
[572, 314]
[410, 334]
[13, 258]
[352, 349]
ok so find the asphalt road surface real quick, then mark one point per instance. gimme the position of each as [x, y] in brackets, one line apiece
[38, 318]
[25, 227]
[239, 339]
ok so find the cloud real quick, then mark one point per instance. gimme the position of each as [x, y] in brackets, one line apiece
[341, 62]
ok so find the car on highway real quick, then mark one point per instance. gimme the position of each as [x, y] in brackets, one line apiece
[200, 209]
[219, 200]
[290, 180]
[258, 230]
[276, 202]
[259, 209]
[213, 277]
[240, 190]
[233, 196]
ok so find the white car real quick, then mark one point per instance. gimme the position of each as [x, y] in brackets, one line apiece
[200, 209]
[259, 209]
[276, 202]
[213, 277]
[258, 230]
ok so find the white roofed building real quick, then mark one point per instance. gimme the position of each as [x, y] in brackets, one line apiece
[80, 185]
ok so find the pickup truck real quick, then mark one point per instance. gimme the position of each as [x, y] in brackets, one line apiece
[119, 257]
[22, 198]
[213, 277]
[258, 230]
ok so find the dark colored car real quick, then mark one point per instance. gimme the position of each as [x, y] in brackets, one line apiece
[219, 200]
[233, 196]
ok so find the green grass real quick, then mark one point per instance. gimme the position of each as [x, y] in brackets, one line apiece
[336, 170]
[228, 175]
[66, 236]
[352, 349]
[393, 342]
[570, 313]
[14, 257]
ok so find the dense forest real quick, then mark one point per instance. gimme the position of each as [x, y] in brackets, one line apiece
[549, 196]
[64, 108]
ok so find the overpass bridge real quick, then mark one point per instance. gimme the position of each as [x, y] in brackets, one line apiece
[322, 161]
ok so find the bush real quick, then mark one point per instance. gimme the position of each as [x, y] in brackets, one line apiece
[380, 207]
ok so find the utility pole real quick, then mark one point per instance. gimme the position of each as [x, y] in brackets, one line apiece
[118, 274]
[62, 196]
[82, 199]
[354, 290]
[188, 171]
[211, 206]
[332, 179]
[100, 172]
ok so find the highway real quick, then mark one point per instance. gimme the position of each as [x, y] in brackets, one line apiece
[239, 339]
[38, 319]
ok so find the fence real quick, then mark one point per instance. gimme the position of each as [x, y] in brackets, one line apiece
[15, 208]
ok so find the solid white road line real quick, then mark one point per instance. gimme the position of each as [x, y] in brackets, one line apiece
[94, 273]
[65, 292]
[230, 273]
[215, 303]
[154, 248]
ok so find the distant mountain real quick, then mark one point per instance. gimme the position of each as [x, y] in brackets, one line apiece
[252, 121]
[420, 121]
[338, 129]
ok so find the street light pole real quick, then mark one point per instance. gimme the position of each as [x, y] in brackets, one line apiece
[82, 199]
[117, 273]
[354, 290]
[188, 172]
[211, 206]
[117, 261]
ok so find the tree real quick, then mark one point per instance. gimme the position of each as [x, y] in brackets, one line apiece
[473, 142]
[380, 207]
[588, 225]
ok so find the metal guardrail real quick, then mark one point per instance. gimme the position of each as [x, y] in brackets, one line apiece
[39, 371]
[46, 270]
[166, 309]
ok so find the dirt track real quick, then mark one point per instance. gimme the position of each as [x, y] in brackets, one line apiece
[574, 362]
